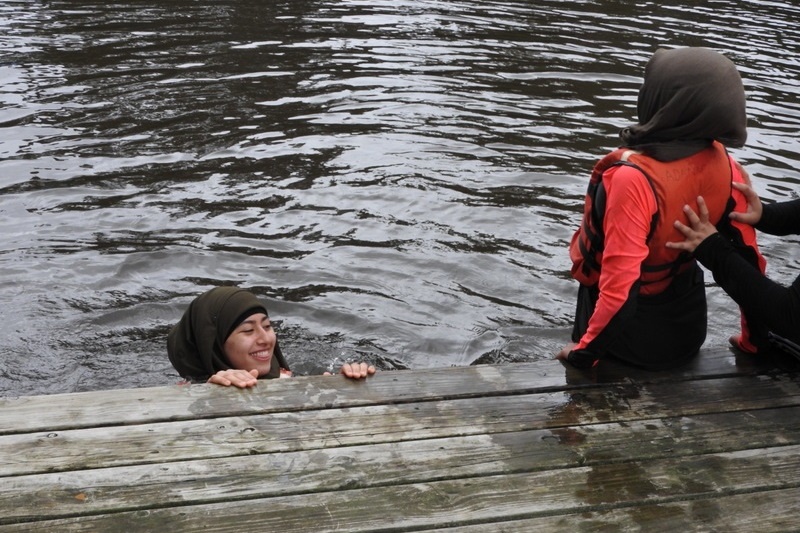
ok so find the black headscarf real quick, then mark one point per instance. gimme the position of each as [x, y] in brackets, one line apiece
[195, 344]
[689, 98]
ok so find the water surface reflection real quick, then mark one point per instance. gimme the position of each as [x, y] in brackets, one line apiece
[396, 179]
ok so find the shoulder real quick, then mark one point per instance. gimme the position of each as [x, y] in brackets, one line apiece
[626, 174]
[629, 181]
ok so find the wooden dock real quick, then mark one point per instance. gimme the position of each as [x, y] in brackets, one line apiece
[524, 447]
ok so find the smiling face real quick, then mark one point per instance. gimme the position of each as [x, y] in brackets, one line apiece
[251, 345]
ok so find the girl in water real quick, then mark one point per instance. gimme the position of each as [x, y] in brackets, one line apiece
[226, 337]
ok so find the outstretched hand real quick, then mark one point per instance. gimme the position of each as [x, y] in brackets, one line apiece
[563, 354]
[754, 207]
[235, 377]
[355, 370]
[700, 228]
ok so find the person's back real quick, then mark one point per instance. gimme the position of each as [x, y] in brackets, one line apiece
[638, 300]
[673, 184]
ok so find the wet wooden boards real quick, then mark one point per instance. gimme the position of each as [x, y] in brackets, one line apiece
[520, 447]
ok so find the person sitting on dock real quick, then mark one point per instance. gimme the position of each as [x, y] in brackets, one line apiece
[775, 305]
[639, 301]
[226, 337]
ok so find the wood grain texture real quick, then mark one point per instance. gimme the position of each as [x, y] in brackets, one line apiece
[518, 447]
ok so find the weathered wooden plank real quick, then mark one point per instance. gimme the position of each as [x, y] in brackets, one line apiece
[710, 363]
[488, 499]
[145, 487]
[136, 406]
[280, 432]
[770, 511]
[160, 404]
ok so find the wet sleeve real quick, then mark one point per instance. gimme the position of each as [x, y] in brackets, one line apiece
[782, 218]
[776, 306]
[630, 207]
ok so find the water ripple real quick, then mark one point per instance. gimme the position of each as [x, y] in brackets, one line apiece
[397, 179]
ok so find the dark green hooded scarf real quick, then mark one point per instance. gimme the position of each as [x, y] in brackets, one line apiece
[194, 344]
[689, 98]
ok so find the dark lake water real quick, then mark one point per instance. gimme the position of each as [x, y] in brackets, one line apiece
[397, 179]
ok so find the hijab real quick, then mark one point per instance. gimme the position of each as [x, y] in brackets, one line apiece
[689, 98]
[195, 344]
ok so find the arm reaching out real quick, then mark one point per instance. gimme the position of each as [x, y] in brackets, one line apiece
[754, 207]
[355, 370]
[699, 230]
[235, 377]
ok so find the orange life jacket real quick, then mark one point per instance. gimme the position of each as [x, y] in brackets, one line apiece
[707, 173]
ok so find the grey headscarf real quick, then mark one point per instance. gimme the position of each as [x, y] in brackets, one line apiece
[689, 98]
[195, 344]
